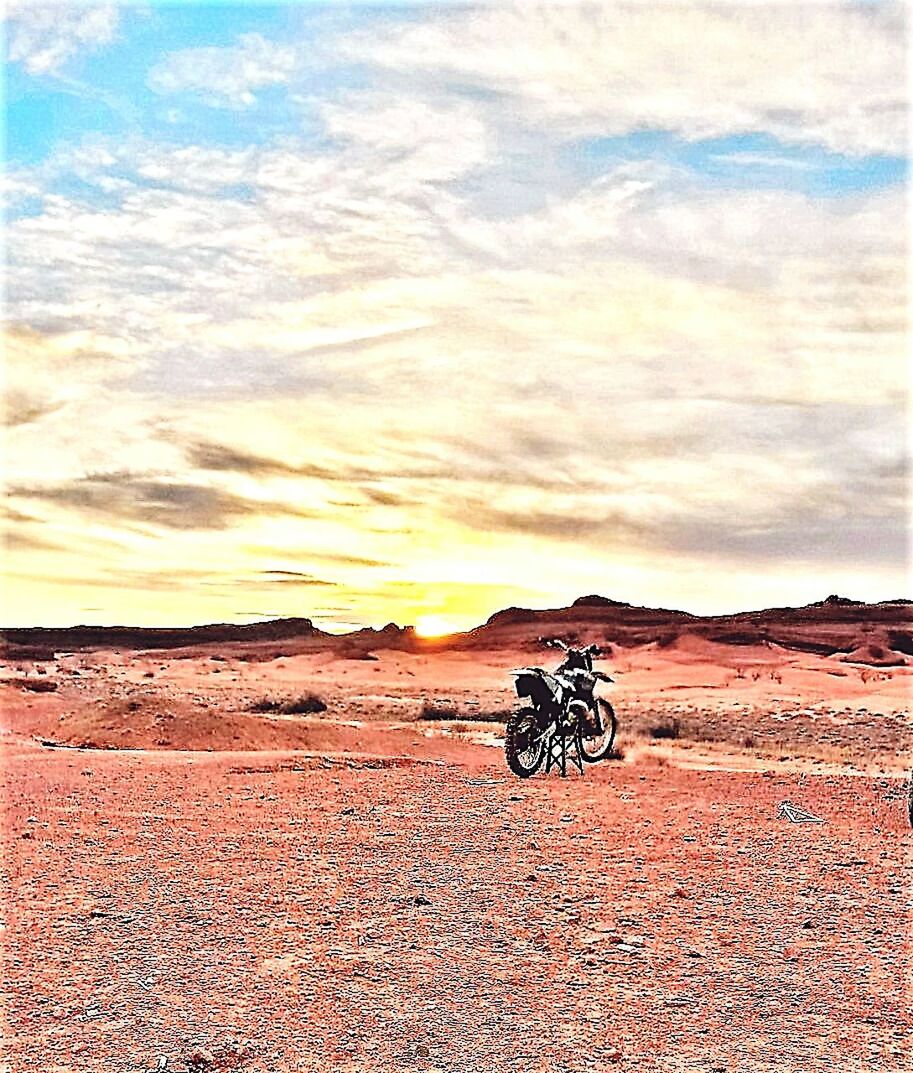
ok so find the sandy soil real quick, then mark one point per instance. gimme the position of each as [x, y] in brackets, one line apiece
[760, 700]
[363, 889]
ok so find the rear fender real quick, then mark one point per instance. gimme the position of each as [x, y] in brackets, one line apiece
[537, 690]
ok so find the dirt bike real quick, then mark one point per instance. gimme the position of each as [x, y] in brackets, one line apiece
[563, 718]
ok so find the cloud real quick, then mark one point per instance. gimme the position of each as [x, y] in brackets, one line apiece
[221, 457]
[782, 505]
[225, 77]
[152, 501]
[45, 37]
[323, 557]
[831, 74]
[17, 541]
[581, 522]
[432, 140]
[766, 160]
[441, 333]
[24, 409]
[292, 577]
[213, 456]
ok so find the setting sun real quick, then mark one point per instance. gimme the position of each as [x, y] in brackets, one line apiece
[434, 626]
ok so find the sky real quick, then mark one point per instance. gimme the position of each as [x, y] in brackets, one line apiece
[373, 312]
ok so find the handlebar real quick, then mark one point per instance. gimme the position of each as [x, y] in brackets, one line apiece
[556, 642]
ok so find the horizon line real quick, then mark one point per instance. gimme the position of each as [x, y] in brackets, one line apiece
[834, 599]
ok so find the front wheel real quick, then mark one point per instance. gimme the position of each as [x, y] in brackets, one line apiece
[599, 745]
[524, 743]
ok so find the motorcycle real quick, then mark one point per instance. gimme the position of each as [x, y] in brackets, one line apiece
[562, 710]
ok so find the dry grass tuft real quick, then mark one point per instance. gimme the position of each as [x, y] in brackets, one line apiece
[668, 728]
[306, 704]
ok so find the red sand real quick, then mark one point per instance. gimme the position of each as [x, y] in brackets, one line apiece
[392, 898]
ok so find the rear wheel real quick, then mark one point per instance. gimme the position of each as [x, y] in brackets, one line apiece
[599, 745]
[524, 743]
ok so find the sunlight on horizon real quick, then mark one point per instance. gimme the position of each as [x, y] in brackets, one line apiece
[437, 626]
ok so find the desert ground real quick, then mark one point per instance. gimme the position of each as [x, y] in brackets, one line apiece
[200, 873]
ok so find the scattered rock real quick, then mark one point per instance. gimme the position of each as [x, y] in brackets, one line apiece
[200, 1059]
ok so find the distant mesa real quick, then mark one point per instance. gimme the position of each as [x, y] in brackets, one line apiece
[598, 601]
[512, 616]
[876, 634]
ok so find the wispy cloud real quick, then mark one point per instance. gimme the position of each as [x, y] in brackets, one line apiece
[221, 457]
[44, 37]
[22, 408]
[293, 577]
[766, 160]
[225, 77]
[700, 69]
[156, 502]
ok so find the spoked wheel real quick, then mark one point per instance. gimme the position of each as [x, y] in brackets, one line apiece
[599, 745]
[524, 743]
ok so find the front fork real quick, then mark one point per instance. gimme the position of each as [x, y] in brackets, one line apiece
[592, 702]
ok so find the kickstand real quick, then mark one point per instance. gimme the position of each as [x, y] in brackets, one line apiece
[558, 754]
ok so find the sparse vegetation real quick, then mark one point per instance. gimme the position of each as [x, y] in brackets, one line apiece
[307, 704]
[432, 712]
[668, 728]
[34, 685]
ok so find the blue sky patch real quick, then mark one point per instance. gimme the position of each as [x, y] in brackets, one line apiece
[742, 161]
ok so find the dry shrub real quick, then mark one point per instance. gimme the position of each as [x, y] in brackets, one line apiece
[307, 704]
[706, 733]
[38, 685]
[432, 711]
[668, 728]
